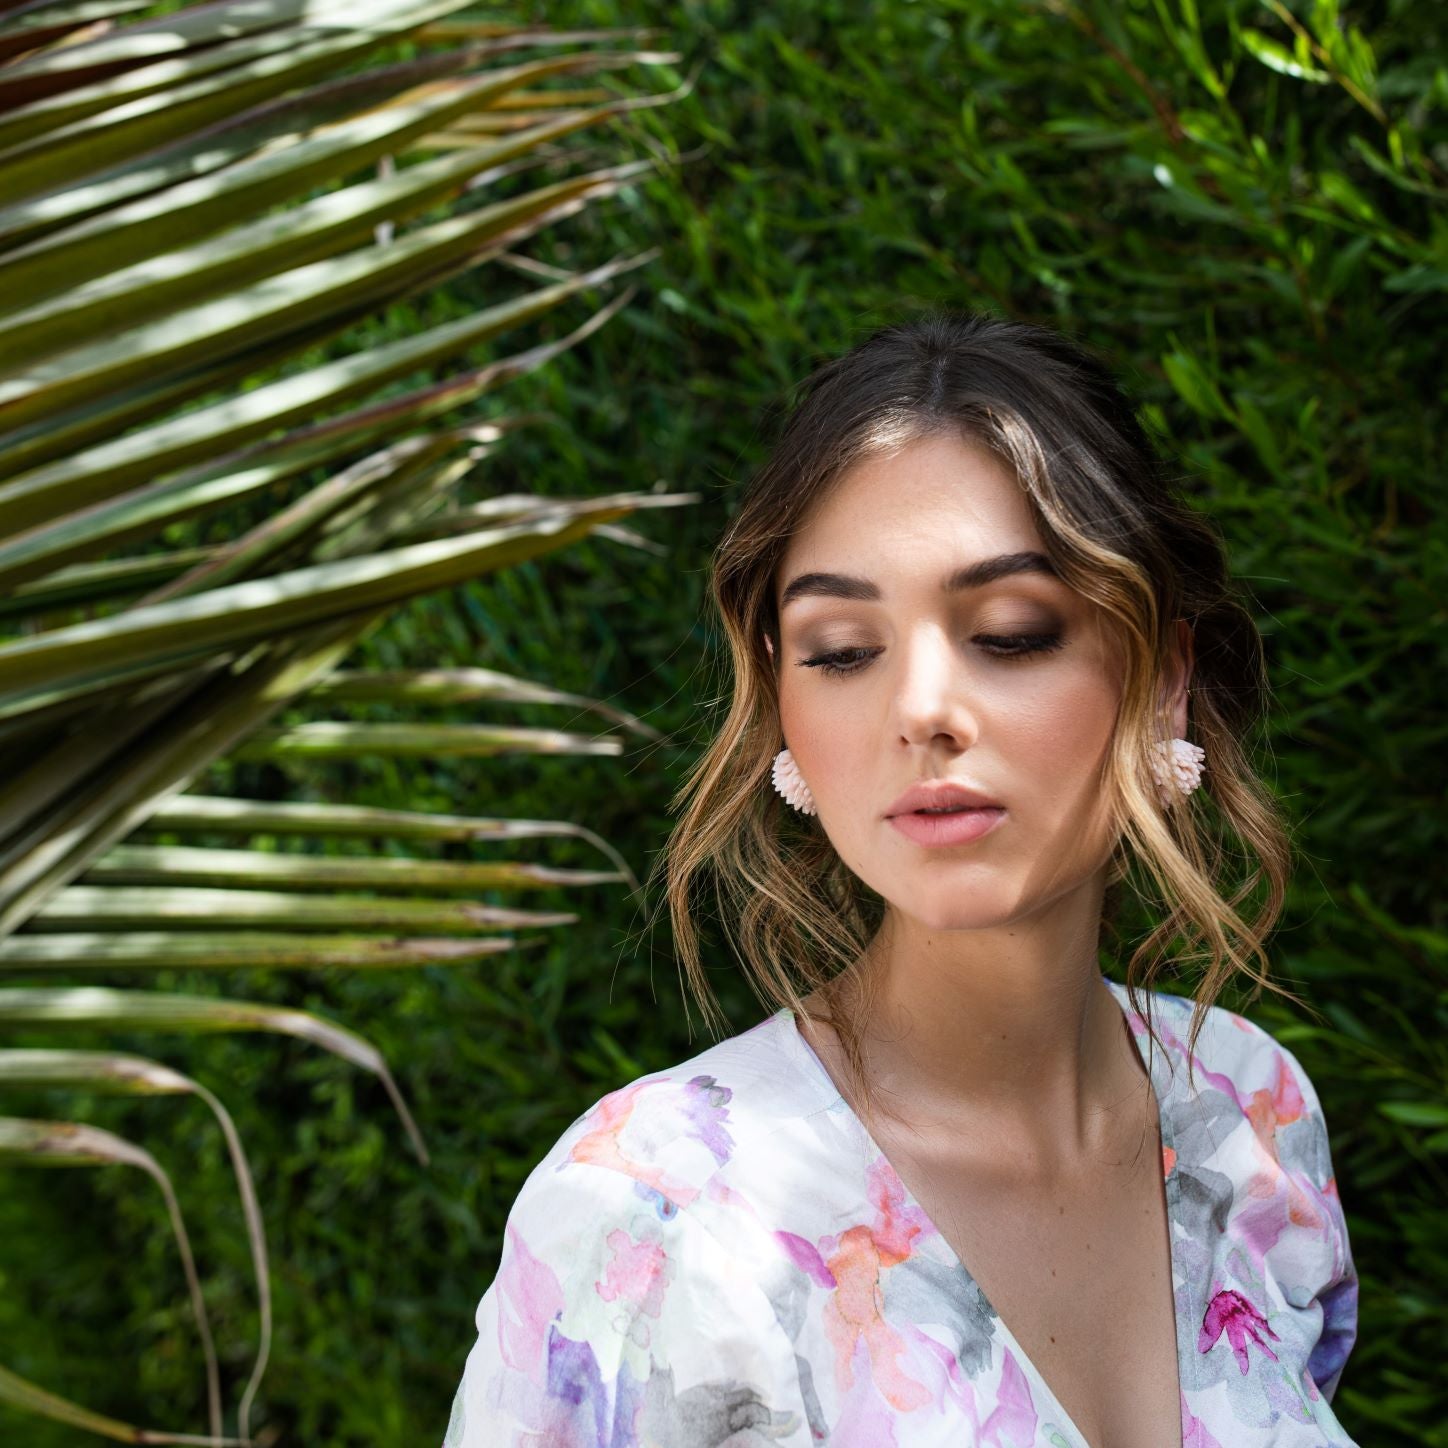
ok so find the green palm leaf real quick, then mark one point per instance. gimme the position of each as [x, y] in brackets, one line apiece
[20, 1393]
[67, 1143]
[135, 949]
[158, 1011]
[320, 227]
[118, 1073]
[211, 498]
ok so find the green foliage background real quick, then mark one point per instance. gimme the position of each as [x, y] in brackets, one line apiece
[1252, 226]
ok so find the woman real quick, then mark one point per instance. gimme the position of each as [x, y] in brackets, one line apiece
[965, 1190]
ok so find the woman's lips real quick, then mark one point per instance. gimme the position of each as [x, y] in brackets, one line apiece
[959, 827]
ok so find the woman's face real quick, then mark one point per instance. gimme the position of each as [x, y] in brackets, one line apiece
[1005, 687]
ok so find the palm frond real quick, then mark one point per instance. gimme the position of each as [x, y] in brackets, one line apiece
[218, 482]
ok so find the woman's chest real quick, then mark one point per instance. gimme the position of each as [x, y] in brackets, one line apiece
[1062, 1317]
[1079, 1274]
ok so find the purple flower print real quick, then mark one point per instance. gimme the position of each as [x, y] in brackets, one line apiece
[1231, 1313]
[706, 1107]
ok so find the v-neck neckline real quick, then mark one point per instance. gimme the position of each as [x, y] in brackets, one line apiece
[1157, 1069]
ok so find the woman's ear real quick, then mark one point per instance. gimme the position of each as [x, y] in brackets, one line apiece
[769, 646]
[1174, 686]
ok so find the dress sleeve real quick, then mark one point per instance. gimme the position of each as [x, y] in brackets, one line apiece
[617, 1317]
[1308, 1151]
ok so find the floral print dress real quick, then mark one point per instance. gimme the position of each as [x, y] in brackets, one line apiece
[719, 1256]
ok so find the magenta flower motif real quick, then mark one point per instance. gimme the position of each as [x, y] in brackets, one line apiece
[1231, 1313]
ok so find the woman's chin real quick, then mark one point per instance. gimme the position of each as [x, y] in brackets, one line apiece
[947, 910]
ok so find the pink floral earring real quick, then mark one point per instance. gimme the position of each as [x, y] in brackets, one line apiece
[790, 783]
[1177, 768]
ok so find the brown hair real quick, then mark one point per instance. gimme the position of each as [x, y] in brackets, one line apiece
[1120, 533]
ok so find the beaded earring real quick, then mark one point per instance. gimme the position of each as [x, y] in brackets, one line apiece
[790, 783]
[1177, 768]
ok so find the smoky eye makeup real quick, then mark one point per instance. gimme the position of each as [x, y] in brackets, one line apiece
[1016, 606]
[991, 623]
[1011, 648]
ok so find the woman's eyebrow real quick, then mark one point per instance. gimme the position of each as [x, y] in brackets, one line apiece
[974, 575]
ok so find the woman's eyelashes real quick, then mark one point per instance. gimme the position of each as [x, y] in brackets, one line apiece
[839, 662]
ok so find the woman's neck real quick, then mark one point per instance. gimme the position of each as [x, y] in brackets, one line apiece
[1007, 1034]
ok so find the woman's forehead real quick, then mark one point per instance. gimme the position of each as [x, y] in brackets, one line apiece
[931, 478]
[939, 508]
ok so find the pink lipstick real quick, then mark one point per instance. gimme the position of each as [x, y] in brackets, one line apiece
[945, 812]
[958, 827]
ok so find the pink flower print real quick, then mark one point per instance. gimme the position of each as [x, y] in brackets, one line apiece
[1269, 1110]
[1194, 1431]
[805, 1255]
[529, 1298]
[602, 1144]
[858, 1330]
[1231, 1313]
[636, 1275]
[1014, 1419]
[898, 1221]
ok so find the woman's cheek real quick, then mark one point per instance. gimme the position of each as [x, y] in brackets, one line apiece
[1072, 746]
[1063, 715]
[821, 748]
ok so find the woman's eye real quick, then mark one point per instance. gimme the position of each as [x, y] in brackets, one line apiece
[1010, 646]
[840, 662]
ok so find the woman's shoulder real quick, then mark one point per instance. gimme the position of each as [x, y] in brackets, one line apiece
[1229, 1048]
[616, 1301]
[1254, 1169]
[662, 1137]
[1240, 1071]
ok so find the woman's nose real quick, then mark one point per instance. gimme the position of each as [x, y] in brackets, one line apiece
[931, 689]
